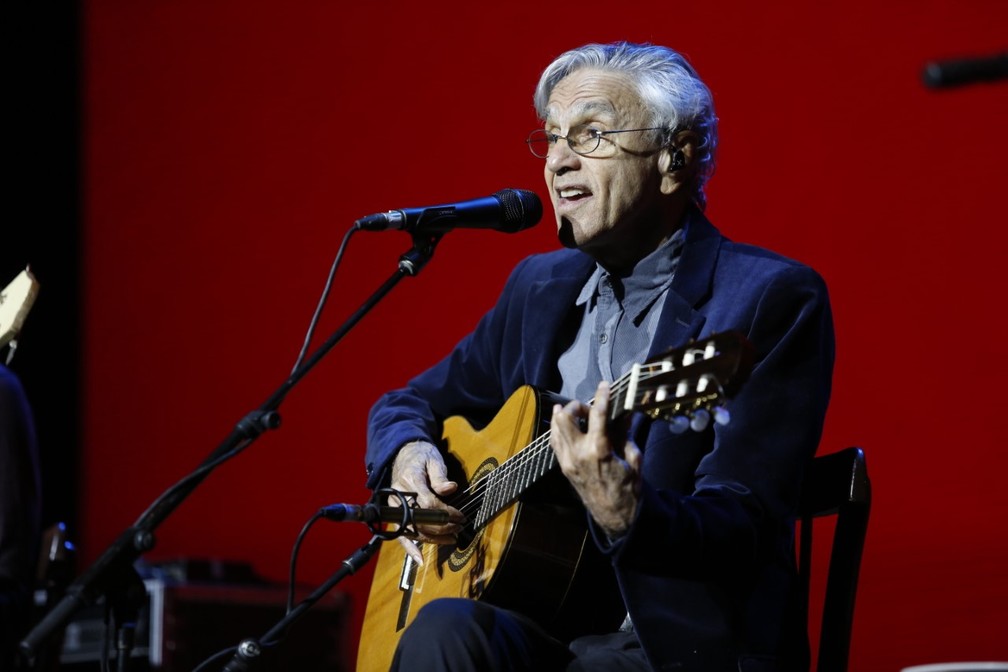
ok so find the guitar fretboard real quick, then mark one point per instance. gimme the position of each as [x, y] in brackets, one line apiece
[678, 384]
[504, 485]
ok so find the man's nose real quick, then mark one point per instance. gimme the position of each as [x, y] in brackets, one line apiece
[561, 156]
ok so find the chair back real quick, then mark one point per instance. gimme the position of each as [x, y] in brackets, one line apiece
[835, 485]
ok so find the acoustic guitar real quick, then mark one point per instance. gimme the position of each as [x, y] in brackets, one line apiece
[525, 544]
[16, 299]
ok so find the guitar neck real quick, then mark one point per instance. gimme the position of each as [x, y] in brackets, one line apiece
[682, 384]
[505, 484]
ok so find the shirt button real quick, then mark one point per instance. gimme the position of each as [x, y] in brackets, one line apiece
[604, 338]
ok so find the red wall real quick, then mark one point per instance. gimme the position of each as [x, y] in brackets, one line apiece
[230, 145]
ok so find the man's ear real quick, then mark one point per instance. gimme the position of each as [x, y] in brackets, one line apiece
[676, 162]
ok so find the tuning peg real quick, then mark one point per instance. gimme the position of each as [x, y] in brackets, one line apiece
[721, 415]
[701, 418]
[679, 424]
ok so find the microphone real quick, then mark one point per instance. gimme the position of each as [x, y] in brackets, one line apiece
[372, 513]
[508, 211]
[958, 72]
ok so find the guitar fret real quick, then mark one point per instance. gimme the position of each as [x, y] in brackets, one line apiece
[546, 458]
[502, 486]
[520, 480]
[504, 479]
[507, 484]
[494, 502]
[488, 508]
[528, 474]
[486, 504]
[537, 463]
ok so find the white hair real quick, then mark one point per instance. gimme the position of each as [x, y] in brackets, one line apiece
[669, 86]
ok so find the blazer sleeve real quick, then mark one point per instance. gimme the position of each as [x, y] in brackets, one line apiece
[473, 380]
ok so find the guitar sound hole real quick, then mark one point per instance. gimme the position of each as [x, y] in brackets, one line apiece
[465, 538]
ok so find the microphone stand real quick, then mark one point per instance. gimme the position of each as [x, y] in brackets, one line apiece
[113, 574]
[247, 656]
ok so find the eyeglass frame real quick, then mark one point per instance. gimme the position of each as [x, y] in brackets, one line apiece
[597, 134]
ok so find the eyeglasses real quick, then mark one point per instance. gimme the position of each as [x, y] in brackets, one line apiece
[581, 139]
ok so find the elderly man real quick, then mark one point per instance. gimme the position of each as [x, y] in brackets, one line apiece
[697, 527]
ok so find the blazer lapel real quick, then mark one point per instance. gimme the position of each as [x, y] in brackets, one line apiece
[549, 305]
[680, 321]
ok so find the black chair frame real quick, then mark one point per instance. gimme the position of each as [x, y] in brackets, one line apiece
[835, 484]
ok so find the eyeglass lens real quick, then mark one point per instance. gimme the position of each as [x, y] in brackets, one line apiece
[582, 139]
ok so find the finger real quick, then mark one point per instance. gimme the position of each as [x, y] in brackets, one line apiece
[444, 487]
[633, 457]
[439, 540]
[416, 482]
[455, 520]
[412, 482]
[576, 409]
[563, 432]
[598, 434]
[411, 469]
[437, 474]
[412, 550]
[446, 534]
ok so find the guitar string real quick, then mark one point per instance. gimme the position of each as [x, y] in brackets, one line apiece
[516, 465]
[539, 447]
[505, 474]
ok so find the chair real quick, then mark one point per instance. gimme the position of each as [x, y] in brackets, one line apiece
[835, 484]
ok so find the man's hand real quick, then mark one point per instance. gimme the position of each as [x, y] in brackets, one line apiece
[608, 485]
[419, 468]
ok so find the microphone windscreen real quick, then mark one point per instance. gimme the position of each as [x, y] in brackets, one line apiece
[522, 209]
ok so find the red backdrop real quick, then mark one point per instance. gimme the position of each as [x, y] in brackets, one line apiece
[230, 145]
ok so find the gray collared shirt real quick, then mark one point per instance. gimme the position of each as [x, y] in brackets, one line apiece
[619, 320]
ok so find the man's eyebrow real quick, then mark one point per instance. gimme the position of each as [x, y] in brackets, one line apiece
[585, 109]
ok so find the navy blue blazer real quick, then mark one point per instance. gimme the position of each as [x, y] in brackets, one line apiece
[707, 569]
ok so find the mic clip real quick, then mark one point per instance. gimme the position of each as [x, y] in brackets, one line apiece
[404, 517]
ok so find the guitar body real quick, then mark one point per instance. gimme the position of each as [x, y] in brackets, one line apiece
[534, 556]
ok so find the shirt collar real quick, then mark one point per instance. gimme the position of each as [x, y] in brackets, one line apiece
[646, 282]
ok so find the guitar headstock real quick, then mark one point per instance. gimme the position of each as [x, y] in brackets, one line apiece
[688, 385]
[16, 300]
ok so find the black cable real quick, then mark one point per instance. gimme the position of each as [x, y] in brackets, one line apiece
[322, 299]
[293, 560]
[406, 525]
[220, 654]
[205, 469]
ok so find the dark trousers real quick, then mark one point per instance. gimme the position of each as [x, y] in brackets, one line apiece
[457, 635]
